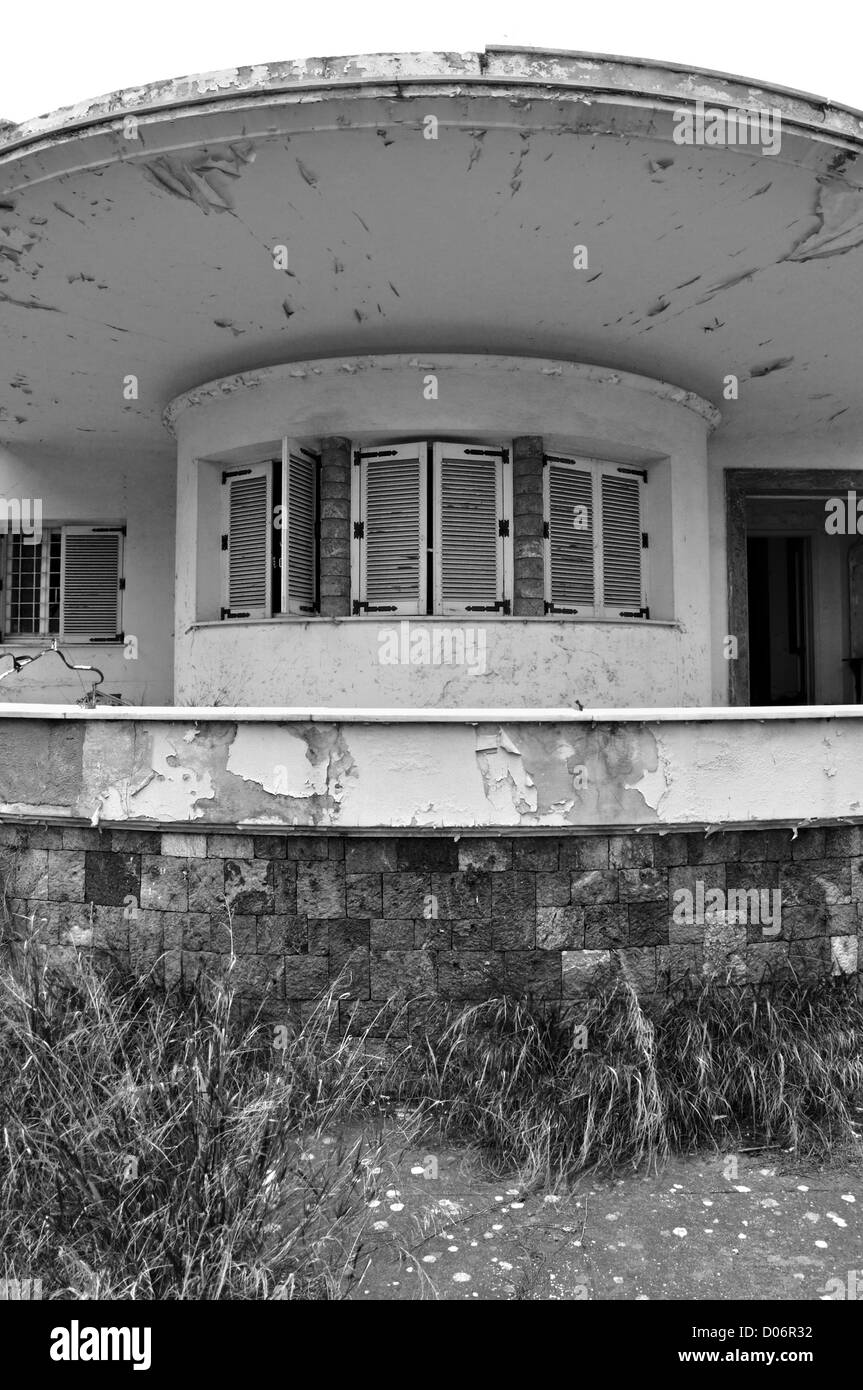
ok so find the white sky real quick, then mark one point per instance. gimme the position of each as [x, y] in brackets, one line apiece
[55, 53]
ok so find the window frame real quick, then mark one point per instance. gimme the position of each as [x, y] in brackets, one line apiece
[400, 607]
[597, 610]
[49, 530]
[430, 603]
[275, 467]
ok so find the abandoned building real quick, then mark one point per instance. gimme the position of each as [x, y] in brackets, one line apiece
[449, 463]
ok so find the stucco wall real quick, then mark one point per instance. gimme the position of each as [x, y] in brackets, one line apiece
[466, 770]
[573, 408]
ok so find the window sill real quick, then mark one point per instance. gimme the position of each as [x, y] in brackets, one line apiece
[63, 644]
[392, 619]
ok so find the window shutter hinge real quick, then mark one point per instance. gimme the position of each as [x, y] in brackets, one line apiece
[229, 613]
[502, 606]
[636, 472]
[503, 527]
[122, 583]
[359, 530]
[224, 542]
[235, 473]
[360, 606]
[635, 613]
[553, 608]
[644, 541]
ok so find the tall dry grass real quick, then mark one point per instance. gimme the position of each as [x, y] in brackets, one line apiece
[162, 1148]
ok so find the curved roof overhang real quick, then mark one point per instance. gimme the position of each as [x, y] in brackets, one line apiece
[137, 235]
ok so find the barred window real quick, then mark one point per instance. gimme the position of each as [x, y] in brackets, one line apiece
[66, 581]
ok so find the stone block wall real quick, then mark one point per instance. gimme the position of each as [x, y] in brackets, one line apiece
[465, 917]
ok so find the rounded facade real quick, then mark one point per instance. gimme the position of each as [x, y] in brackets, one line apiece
[418, 253]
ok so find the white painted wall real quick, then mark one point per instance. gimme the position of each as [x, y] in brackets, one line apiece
[143, 496]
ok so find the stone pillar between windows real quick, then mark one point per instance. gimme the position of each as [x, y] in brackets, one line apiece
[528, 589]
[335, 543]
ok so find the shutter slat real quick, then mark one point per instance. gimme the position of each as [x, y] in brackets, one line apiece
[571, 547]
[621, 542]
[469, 503]
[91, 567]
[393, 544]
[300, 533]
[248, 505]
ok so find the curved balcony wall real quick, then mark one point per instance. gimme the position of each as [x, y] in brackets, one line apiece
[525, 657]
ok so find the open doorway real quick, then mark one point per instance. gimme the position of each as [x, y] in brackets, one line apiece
[795, 589]
[780, 623]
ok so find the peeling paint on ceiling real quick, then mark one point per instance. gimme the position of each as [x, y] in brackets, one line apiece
[106, 267]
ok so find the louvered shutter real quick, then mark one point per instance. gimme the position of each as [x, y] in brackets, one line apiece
[248, 497]
[91, 564]
[299, 536]
[471, 529]
[390, 529]
[570, 537]
[622, 587]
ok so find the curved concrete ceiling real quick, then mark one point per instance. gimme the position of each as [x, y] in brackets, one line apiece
[144, 246]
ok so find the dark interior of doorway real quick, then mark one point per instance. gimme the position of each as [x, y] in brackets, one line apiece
[779, 620]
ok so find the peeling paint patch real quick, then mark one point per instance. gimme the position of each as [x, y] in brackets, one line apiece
[839, 213]
[137, 773]
[307, 175]
[420, 776]
[278, 759]
[779, 365]
[508, 785]
[203, 177]
[29, 304]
